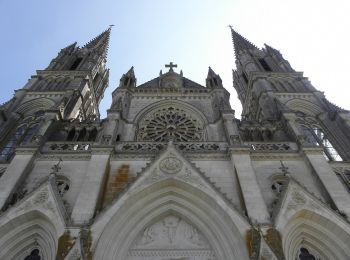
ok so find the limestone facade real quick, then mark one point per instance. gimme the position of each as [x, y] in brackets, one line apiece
[171, 173]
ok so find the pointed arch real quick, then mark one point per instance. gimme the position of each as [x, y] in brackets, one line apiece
[32, 230]
[34, 105]
[317, 233]
[304, 106]
[114, 237]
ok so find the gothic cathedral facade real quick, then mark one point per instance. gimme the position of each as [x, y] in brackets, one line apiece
[171, 173]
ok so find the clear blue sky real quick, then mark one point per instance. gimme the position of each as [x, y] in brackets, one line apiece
[312, 35]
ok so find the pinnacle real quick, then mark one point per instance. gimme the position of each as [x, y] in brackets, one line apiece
[69, 48]
[131, 72]
[211, 73]
[101, 41]
[240, 43]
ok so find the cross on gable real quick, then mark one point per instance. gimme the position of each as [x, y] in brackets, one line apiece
[171, 65]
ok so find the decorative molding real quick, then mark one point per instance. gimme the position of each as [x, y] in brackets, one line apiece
[155, 147]
[170, 165]
[276, 157]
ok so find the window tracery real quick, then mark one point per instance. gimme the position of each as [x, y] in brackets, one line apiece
[315, 135]
[170, 123]
[23, 134]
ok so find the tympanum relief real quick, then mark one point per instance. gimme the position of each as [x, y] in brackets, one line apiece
[171, 238]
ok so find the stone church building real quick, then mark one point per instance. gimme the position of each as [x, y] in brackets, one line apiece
[171, 173]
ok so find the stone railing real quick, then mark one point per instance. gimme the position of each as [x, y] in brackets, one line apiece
[67, 147]
[183, 146]
[273, 147]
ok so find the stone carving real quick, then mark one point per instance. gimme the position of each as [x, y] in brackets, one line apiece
[42, 197]
[154, 176]
[188, 176]
[170, 165]
[297, 199]
[172, 238]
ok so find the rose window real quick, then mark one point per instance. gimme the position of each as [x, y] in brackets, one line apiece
[170, 124]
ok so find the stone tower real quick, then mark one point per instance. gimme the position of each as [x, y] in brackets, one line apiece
[171, 173]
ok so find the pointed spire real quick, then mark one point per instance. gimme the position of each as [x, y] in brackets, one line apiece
[101, 41]
[240, 43]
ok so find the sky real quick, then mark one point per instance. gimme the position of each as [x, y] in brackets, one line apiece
[312, 35]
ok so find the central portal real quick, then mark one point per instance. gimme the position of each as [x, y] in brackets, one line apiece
[171, 238]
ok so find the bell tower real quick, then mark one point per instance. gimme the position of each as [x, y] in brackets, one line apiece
[273, 93]
[71, 87]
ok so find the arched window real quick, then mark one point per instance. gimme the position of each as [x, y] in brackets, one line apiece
[316, 136]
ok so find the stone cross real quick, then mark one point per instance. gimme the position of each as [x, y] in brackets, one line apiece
[171, 66]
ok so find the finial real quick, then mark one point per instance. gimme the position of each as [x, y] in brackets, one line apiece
[111, 25]
[160, 73]
[181, 73]
[171, 65]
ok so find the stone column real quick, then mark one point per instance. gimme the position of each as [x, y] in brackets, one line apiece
[330, 181]
[16, 172]
[254, 202]
[91, 188]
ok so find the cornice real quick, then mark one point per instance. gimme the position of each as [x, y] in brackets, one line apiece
[64, 73]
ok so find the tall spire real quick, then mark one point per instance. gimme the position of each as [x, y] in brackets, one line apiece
[240, 43]
[101, 41]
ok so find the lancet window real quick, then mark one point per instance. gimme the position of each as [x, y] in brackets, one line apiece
[316, 136]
